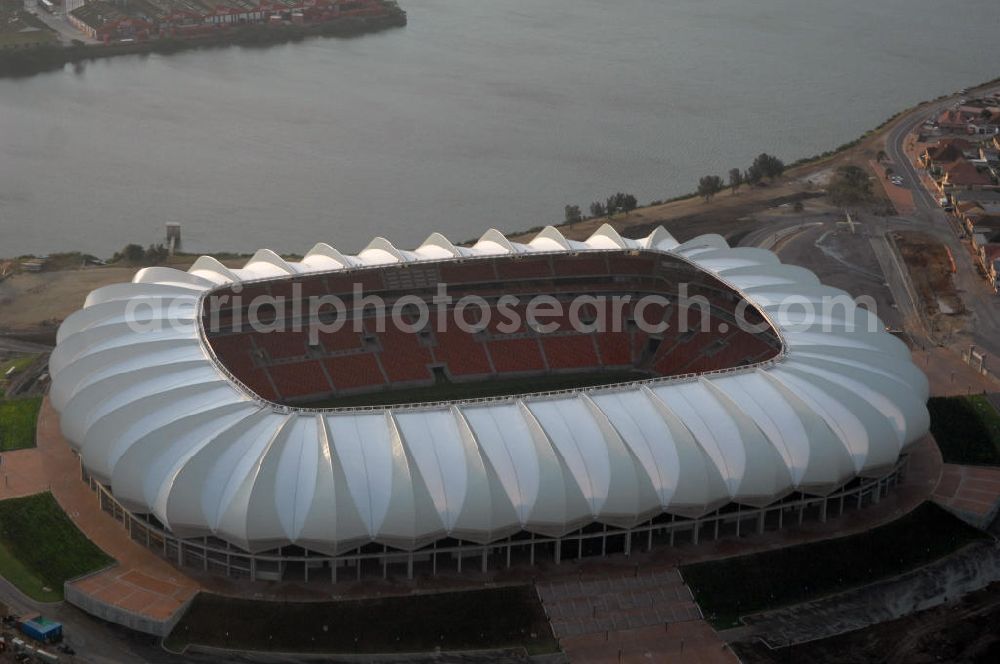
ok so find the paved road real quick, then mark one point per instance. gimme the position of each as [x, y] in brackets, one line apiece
[978, 297]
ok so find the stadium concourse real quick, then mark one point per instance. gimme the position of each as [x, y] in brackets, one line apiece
[227, 450]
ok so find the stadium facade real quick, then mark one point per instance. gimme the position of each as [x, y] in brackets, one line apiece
[222, 450]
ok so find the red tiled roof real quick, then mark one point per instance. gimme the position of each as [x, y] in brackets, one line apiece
[963, 174]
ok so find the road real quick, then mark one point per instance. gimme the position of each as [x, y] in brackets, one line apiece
[975, 292]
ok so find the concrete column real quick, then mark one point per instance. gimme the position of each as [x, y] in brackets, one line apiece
[409, 566]
[761, 519]
[558, 551]
[694, 531]
[484, 559]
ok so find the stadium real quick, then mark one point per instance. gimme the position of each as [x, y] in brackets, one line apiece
[342, 445]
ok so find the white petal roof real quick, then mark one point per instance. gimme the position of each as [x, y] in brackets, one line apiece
[153, 414]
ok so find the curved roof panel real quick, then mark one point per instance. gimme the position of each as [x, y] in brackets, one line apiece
[153, 414]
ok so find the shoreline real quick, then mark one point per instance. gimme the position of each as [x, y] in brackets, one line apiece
[44, 59]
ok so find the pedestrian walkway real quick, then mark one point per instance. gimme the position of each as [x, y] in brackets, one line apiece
[971, 492]
[142, 586]
[21, 474]
[950, 376]
[901, 197]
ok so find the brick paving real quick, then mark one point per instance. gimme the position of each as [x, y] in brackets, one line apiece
[971, 491]
[21, 474]
[141, 582]
[950, 376]
[689, 642]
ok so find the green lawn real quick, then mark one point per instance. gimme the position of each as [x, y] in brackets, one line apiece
[26, 581]
[967, 429]
[473, 620]
[17, 423]
[40, 547]
[728, 589]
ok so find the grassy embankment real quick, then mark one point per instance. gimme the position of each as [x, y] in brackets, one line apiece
[967, 429]
[18, 418]
[41, 548]
[734, 587]
[510, 617]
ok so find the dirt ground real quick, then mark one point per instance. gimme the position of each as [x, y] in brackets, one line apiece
[931, 268]
[968, 631]
[29, 301]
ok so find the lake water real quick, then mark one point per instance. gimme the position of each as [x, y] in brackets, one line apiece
[479, 113]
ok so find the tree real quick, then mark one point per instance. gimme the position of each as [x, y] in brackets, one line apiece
[629, 202]
[621, 202]
[735, 179]
[709, 186]
[155, 254]
[597, 209]
[132, 254]
[849, 186]
[572, 214]
[881, 156]
[767, 166]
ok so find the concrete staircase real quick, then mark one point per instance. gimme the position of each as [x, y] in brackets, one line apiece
[648, 616]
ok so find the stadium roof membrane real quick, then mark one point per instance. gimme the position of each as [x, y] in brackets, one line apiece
[154, 416]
